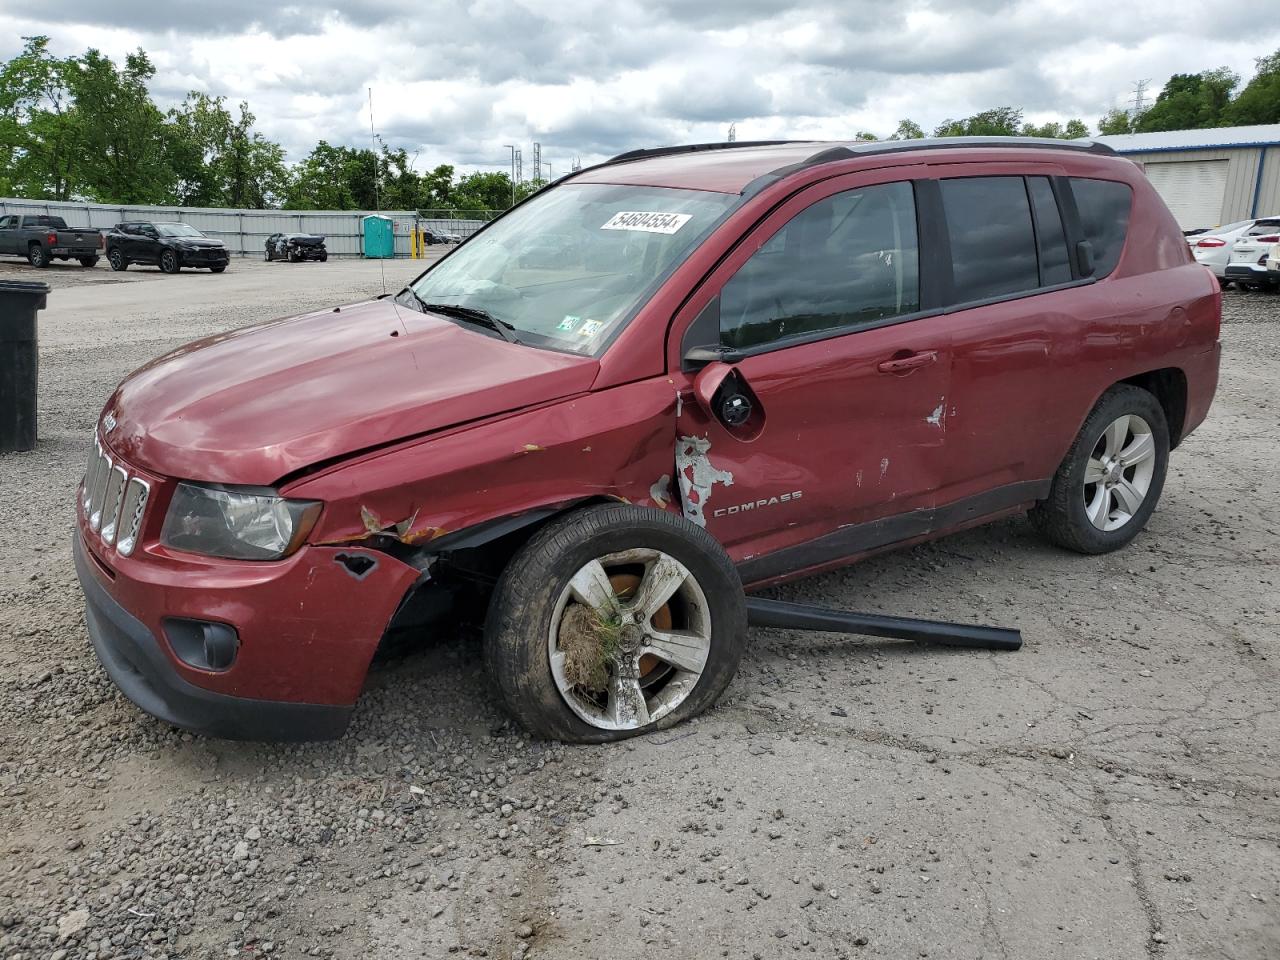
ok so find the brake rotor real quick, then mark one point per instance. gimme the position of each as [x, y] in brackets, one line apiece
[624, 586]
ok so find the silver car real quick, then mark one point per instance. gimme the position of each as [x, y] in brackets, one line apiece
[1247, 267]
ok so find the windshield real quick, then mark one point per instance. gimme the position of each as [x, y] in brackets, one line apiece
[568, 268]
[177, 230]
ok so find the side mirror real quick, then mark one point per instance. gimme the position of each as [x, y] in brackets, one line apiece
[1084, 258]
[723, 395]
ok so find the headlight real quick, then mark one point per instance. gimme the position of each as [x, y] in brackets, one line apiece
[238, 523]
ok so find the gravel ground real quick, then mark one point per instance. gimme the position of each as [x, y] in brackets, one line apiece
[1110, 791]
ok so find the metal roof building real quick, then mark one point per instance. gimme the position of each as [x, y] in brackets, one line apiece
[1210, 177]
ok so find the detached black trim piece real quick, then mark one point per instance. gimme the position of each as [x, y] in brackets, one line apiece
[133, 659]
[803, 616]
[881, 533]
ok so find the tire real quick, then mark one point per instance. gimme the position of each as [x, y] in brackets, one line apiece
[266, 256]
[1065, 517]
[169, 262]
[534, 591]
[294, 256]
[1223, 283]
[88, 261]
[217, 269]
[324, 256]
[37, 257]
[117, 260]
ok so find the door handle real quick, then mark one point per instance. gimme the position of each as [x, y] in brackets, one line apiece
[900, 364]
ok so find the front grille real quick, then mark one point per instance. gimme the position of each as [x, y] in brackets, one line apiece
[113, 501]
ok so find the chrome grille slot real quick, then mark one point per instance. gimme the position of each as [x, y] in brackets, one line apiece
[99, 493]
[113, 501]
[111, 504]
[131, 511]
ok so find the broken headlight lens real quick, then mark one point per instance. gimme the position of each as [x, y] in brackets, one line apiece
[237, 523]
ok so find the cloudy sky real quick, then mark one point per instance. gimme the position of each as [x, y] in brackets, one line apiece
[591, 78]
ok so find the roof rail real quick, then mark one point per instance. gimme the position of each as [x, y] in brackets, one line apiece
[647, 154]
[872, 147]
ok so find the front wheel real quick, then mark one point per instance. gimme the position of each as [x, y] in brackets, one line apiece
[117, 260]
[1108, 485]
[217, 269]
[169, 262]
[613, 621]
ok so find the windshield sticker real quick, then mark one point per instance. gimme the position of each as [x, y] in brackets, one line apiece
[568, 323]
[647, 222]
[590, 328]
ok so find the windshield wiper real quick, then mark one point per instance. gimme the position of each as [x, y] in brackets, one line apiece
[472, 315]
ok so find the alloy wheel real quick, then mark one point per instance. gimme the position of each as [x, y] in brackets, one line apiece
[1119, 472]
[648, 628]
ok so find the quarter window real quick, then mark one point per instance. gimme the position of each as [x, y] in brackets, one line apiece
[993, 245]
[1103, 206]
[846, 262]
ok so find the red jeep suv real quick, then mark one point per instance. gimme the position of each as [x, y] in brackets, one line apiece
[660, 379]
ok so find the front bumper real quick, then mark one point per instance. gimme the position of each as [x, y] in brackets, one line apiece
[204, 258]
[135, 661]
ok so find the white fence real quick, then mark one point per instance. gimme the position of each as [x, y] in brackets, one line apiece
[245, 231]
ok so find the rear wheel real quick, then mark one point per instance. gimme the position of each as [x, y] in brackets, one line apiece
[88, 261]
[37, 257]
[117, 260]
[614, 621]
[169, 262]
[217, 269]
[1112, 477]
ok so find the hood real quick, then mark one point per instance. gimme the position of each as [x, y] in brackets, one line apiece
[254, 405]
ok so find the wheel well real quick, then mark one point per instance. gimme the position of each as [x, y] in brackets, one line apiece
[462, 576]
[1169, 387]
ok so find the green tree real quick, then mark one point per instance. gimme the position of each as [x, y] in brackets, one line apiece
[865, 135]
[1071, 130]
[1190, 101]
[1116, 121]
[482, 191]
[908, 130]
[998, 122]
[120, 130]
[39, 135]
[435, 189]
[1259, 101]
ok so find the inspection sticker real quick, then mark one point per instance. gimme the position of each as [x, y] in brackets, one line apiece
[569, 322]
[590, 328]
[648, 222]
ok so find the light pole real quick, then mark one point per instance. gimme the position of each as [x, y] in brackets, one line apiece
[512, 148]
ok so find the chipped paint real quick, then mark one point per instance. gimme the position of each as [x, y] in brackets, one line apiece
[660, 492]
[935, 418]
[697, 477]
[532, 448]
[857, 478]
[884, 467]
[679, 403]
[373, 524]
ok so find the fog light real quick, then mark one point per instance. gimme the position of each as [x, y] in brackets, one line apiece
[203, 644]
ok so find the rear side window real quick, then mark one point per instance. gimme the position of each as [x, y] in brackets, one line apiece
[1263, 227]
[1103, 206]
[1055, 267]
[848, 261]
[993, 244]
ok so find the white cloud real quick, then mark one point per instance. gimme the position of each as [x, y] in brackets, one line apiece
[454, 82]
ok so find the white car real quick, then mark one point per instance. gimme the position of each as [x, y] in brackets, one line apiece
[1213, 247]
[1247, 268]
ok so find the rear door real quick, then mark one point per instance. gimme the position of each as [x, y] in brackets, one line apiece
[845, 371]
[1021, 313]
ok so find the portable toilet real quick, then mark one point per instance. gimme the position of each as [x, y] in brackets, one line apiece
[379, 237]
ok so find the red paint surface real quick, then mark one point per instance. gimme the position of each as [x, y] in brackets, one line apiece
[446, 427]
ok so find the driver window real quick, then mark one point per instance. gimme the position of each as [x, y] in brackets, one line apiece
[7, 222]
[845, 262]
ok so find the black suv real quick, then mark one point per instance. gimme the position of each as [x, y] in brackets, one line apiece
[295, 247]
[170, 246]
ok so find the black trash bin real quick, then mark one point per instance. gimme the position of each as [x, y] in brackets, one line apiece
[20, 300]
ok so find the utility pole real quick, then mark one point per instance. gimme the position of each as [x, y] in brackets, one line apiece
[512, 148]
[576, 165]
[1139, 98]
[519, 166]
[733, 133]
[537, 161]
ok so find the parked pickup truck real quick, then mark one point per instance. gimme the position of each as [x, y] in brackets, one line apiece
[42, 238]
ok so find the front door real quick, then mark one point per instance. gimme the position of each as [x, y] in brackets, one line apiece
[832, 440]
